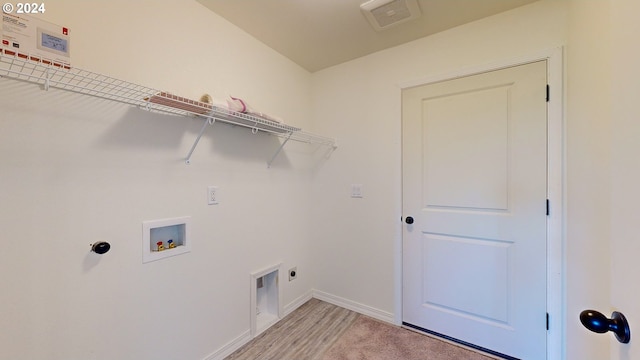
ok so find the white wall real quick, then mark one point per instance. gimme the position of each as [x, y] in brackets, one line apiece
[625, 172]
[75, 170]
[588, 174]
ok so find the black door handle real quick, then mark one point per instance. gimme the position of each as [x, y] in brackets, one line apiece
[409, 220]
[597, 322]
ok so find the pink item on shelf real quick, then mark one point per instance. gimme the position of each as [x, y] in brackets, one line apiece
[237, 105]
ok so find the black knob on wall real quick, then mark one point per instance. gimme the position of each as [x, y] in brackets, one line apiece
[597, 322]
[409, 220]
[100, 247]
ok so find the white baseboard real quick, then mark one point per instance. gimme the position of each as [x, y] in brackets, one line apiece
[289, 308]
[355, 306]
[232, 346]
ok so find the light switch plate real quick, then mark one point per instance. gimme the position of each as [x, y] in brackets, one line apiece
[356, 190]
[212, 195]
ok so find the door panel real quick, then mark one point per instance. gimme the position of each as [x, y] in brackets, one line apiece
[480, 262]
[465, 149]
[474, 179]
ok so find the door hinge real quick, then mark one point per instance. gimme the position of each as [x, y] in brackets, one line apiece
[548, 206]
[547, 321]
[547, 92]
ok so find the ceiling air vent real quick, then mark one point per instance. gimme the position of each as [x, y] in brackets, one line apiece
[383, 14]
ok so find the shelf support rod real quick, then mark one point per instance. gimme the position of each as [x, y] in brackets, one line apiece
[193, 147]
[279, 150]
[47, 80]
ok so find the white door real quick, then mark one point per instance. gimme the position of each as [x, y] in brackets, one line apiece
[475, 186]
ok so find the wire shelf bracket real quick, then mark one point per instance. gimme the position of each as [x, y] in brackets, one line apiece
[193, 147]
[279, 149]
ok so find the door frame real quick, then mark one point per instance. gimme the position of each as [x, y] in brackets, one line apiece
[555, 189]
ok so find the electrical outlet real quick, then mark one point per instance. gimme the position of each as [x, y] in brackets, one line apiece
[293, 273]
[212, 195]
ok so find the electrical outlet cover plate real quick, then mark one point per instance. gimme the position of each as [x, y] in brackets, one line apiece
[293, 273]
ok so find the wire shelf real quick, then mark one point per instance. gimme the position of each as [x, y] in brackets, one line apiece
[63, 76]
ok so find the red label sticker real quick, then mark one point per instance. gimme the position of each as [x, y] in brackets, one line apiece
[5, 42]
[65, 31]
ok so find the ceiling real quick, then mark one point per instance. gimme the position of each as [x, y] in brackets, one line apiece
[317, 34]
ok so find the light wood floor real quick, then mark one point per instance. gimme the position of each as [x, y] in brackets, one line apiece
[305, 334]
